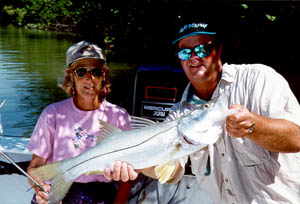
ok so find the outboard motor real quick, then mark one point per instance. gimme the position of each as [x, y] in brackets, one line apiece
[156, 90]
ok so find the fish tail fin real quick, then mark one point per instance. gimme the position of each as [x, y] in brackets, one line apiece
[47, 172]
[165, 171]
[59, 184]
[59, 188]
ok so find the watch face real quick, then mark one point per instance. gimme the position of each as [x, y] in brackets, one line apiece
[251, 127]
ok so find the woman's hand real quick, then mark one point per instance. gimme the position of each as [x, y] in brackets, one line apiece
[40, 195]
[121, 172]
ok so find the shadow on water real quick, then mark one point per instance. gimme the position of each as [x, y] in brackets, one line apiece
[31, 65]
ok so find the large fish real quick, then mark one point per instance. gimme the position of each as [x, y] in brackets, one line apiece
[157, 144]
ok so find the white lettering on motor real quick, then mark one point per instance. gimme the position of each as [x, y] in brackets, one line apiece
[156, 108]
[159, 113]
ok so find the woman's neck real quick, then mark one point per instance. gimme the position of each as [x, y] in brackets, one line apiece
[87, 104]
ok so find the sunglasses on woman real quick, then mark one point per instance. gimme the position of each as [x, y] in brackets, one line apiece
[202, 50]
[81, 72]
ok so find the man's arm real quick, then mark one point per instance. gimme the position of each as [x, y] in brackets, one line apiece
[275, 135]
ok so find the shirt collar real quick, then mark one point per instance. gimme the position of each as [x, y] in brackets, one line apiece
[192, 98]
[228, 73]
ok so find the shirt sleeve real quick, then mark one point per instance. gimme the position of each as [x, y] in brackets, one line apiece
[41, 141]
[124, 121]
[274, 98]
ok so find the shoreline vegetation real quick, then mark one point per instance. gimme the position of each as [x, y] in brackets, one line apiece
[141, 32]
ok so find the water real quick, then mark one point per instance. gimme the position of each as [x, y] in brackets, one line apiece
[31, 65]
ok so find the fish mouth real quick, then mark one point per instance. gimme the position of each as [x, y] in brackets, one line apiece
[187, 140]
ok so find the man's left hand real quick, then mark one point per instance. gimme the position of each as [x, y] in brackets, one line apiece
[240, 124]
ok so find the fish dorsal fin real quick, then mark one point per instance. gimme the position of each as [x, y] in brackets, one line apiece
[165, 171]
[106, 130]
[139, 122]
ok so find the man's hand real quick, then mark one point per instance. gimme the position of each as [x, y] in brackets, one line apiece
[121, 172]
[240, 124]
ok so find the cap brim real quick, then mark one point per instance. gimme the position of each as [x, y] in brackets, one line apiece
[88, 58]
[194, 33]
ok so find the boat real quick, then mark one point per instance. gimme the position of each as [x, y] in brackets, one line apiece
[14, 187]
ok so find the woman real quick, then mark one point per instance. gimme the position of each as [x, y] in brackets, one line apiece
[67, 128]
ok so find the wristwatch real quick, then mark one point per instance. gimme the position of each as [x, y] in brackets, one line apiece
[251, 127]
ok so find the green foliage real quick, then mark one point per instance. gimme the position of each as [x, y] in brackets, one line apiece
[17, 13]
[42, 14]
[245, 6]
[271, 18]
[142, 30]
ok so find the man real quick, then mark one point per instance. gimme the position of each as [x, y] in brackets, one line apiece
[257, 158]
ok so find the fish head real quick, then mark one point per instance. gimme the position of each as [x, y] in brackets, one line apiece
[204, 124]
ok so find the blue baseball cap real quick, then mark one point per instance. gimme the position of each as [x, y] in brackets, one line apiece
[194, 28]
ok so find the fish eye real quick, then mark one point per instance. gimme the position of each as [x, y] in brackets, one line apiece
[206, 105]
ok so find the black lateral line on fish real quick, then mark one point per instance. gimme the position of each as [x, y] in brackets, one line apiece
[118, 150]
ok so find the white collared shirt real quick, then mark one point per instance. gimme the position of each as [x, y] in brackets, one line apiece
[243, 171]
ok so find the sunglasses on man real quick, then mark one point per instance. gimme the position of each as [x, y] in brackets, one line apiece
[202, 50]
[81, 72]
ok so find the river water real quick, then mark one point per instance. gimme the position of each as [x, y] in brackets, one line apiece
[31, 65]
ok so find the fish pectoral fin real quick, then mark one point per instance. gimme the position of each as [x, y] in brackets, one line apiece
[94, 172]
[165, 171]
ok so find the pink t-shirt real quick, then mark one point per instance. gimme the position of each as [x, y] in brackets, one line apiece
[63, 131]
